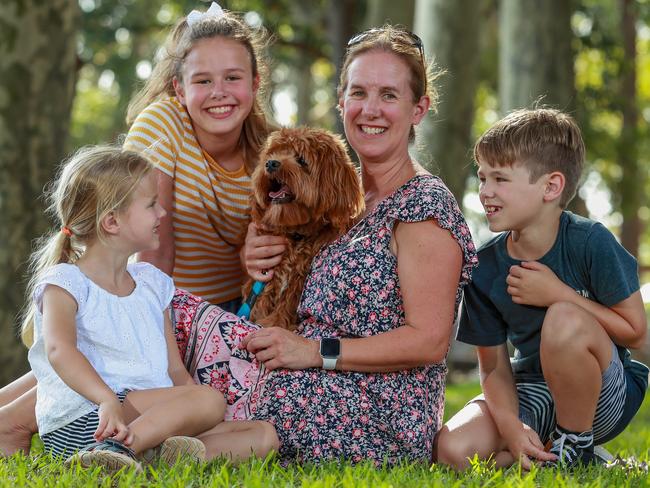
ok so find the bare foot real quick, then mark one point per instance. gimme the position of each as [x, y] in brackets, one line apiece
[14, 439]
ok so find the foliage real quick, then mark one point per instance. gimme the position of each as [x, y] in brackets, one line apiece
[119, 39]
[40, 471]
[599, 64]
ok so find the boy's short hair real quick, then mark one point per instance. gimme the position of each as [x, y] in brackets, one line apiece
[543, 140]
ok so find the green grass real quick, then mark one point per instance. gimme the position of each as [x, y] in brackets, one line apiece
[39, 470]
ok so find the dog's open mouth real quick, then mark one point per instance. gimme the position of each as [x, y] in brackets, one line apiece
[279, 192]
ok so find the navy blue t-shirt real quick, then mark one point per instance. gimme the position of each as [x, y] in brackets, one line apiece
[585, 256]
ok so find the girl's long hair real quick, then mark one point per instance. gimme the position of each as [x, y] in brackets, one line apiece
[95, 181]
[178, 45]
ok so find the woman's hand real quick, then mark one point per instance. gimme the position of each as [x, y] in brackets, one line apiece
[111, 423]
[280, 348]
[261, 253]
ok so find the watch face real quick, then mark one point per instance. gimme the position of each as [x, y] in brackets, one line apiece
[330, 347]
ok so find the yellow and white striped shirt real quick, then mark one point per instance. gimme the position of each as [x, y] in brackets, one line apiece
[211, 205]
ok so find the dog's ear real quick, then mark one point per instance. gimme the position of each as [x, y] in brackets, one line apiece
[257, 212]
[339, 183]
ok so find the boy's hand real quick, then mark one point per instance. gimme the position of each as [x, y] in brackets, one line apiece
[524, 444]
[535, 284]
[111, 423]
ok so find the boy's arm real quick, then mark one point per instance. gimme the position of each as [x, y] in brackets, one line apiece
[175, 367]
[60, 338]
[500, 393]
[535, 284]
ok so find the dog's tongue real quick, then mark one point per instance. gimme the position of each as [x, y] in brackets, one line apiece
[281, 193]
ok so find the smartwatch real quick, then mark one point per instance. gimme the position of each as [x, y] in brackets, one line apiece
[330, 351]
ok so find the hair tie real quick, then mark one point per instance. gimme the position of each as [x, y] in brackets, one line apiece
[214, 11]
[66, 231]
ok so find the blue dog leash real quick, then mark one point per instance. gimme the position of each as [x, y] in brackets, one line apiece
[245, 310]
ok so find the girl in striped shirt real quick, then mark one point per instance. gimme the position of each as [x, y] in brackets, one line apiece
[199, 117]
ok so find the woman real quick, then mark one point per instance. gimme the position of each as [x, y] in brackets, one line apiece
[380, 302]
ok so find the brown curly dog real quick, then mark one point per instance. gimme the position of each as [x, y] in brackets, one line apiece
[307, 189]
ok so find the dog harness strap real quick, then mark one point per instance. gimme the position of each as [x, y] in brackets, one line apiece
[245, 310]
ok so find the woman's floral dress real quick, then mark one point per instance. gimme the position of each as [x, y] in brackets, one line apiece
[353, 291]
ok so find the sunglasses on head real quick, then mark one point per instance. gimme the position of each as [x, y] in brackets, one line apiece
[362, 36]
[415, 42]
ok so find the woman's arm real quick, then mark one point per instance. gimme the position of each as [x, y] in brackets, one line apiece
[60, 337]
[176, 369]
[429, 263]
[163, 257]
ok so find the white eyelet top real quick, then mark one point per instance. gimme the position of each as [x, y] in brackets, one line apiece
[122, 337]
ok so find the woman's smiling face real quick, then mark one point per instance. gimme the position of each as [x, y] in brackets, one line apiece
[378, 107]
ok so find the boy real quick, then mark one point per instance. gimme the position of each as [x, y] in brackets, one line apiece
[566, 295]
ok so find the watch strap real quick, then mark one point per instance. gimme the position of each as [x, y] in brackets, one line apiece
[329, 362]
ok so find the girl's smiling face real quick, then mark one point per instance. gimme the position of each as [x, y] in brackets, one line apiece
[140, 221]
[218, 88]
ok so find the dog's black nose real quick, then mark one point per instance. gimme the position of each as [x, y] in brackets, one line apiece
[272, 165]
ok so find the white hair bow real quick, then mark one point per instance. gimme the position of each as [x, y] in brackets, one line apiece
[214, 11]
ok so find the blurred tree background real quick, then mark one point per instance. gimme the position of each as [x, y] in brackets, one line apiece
[69, 67]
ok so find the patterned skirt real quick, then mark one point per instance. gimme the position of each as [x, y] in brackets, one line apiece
[208, 339]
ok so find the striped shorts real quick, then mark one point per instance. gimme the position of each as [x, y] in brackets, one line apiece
[537, 410]
[76, 435]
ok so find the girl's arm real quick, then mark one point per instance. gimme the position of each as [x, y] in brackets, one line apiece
[429, 263]
[60, 337]
[500, 393]
[261, 253]
[163, 257]
[176, 369]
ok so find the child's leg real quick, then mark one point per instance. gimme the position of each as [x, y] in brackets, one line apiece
[574, 351]
[16, 388]
[157, 414]
[17, 415]
[471, 431]
[238, 441]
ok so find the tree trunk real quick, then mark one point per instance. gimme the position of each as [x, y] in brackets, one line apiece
[450, 31]
[37, 75]
[342, 25]
[536, 60]
[630, 188]
[304, 86]
[380, 12]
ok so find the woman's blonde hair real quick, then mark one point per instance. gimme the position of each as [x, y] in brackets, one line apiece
[94, 182]
[405, 45]
[179, 44]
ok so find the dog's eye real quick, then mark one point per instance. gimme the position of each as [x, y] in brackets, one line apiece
[301, 161]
